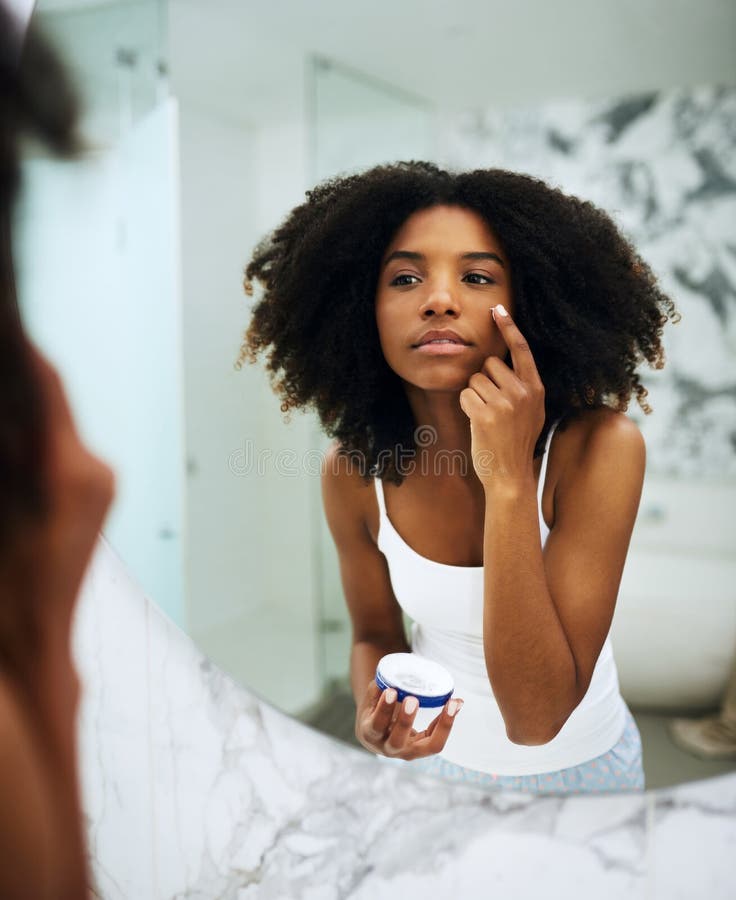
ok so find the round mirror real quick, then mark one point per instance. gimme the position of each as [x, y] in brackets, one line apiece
[206, 124]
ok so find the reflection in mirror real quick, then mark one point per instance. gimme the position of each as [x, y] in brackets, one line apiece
[219, 510]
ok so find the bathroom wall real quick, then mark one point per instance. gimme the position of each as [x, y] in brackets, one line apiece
[217, 183]
[664, 166]
[250, 565]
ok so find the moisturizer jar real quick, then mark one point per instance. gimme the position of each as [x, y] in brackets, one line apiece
[411, 675]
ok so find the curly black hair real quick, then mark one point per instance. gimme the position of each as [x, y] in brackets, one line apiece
[588, 305]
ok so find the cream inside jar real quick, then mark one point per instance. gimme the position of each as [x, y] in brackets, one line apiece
[411, 675]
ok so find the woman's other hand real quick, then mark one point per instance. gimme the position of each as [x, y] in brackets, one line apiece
[386, 727]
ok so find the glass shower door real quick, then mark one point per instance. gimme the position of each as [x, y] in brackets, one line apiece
[355, 122]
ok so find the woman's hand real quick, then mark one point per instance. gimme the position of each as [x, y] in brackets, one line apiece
[506, 411]
[385, 726]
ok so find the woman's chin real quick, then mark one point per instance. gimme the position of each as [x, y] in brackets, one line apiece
[440, 382]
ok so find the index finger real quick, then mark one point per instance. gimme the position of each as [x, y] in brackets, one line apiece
[522, 358]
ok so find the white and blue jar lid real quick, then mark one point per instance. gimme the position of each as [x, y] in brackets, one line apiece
[411, 675]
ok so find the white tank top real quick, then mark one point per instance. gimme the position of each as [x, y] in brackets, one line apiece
[446, 605]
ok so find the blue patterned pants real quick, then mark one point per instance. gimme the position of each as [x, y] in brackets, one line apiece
[618, 770]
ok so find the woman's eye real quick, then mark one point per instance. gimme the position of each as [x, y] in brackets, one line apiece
[484, 279]
[398, 280]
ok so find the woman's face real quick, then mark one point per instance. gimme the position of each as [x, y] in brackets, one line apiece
[444, 269]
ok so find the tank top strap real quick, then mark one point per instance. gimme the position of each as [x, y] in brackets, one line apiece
[379, 495]
[545, 460]
[542, 475]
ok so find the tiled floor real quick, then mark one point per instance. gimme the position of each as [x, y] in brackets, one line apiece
[664, 763]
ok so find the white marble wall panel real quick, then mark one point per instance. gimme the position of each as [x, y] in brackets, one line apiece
[664, 166]
[693, 840]
[111, 648]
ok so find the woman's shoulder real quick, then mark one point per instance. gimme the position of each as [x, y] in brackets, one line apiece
[347, 467]
[345, 490]
[589, 434]
[582, 425]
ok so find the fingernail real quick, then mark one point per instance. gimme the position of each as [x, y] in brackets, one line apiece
[411, 705]
[452, 708]
[390, 696]
[501, 310]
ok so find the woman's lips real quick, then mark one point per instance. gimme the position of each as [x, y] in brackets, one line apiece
[443, 349]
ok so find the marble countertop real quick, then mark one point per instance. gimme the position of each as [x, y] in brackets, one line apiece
[195, 788]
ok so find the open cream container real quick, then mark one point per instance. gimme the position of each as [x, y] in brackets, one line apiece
[411, 675]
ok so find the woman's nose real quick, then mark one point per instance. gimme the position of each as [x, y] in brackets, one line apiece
[440, 300]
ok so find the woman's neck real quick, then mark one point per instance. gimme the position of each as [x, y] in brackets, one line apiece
[441, 426]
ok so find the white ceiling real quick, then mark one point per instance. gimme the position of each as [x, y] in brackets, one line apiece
[464, 52]
[456, 53]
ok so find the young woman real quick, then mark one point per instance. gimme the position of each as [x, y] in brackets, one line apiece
[471, 341]
[54, 496]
